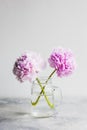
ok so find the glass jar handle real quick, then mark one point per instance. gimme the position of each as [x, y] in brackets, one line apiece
[57, 96]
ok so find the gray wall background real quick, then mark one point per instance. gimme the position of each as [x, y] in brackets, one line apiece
[41, 25]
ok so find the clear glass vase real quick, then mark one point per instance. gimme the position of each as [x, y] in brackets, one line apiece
[43, 98]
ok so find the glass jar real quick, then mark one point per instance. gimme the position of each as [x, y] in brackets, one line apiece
[42, 98]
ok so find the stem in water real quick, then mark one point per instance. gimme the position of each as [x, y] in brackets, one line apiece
[42, 91]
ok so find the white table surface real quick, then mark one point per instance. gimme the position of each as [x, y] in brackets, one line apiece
[70, 115]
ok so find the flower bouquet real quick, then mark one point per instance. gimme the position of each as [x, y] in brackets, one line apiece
[29, 65]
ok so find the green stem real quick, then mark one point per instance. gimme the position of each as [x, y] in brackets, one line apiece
[49, 103]
[42, 90]
[50, 76]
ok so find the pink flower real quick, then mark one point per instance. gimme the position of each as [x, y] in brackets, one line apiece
[63, 61]
[28, 66]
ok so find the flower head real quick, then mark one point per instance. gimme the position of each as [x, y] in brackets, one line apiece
[28, 66]
[63, 61]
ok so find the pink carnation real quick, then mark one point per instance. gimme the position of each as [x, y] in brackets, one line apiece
[63, 61]
[28, 66]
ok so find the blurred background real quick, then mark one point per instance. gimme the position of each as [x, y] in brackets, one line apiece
[41, 25]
